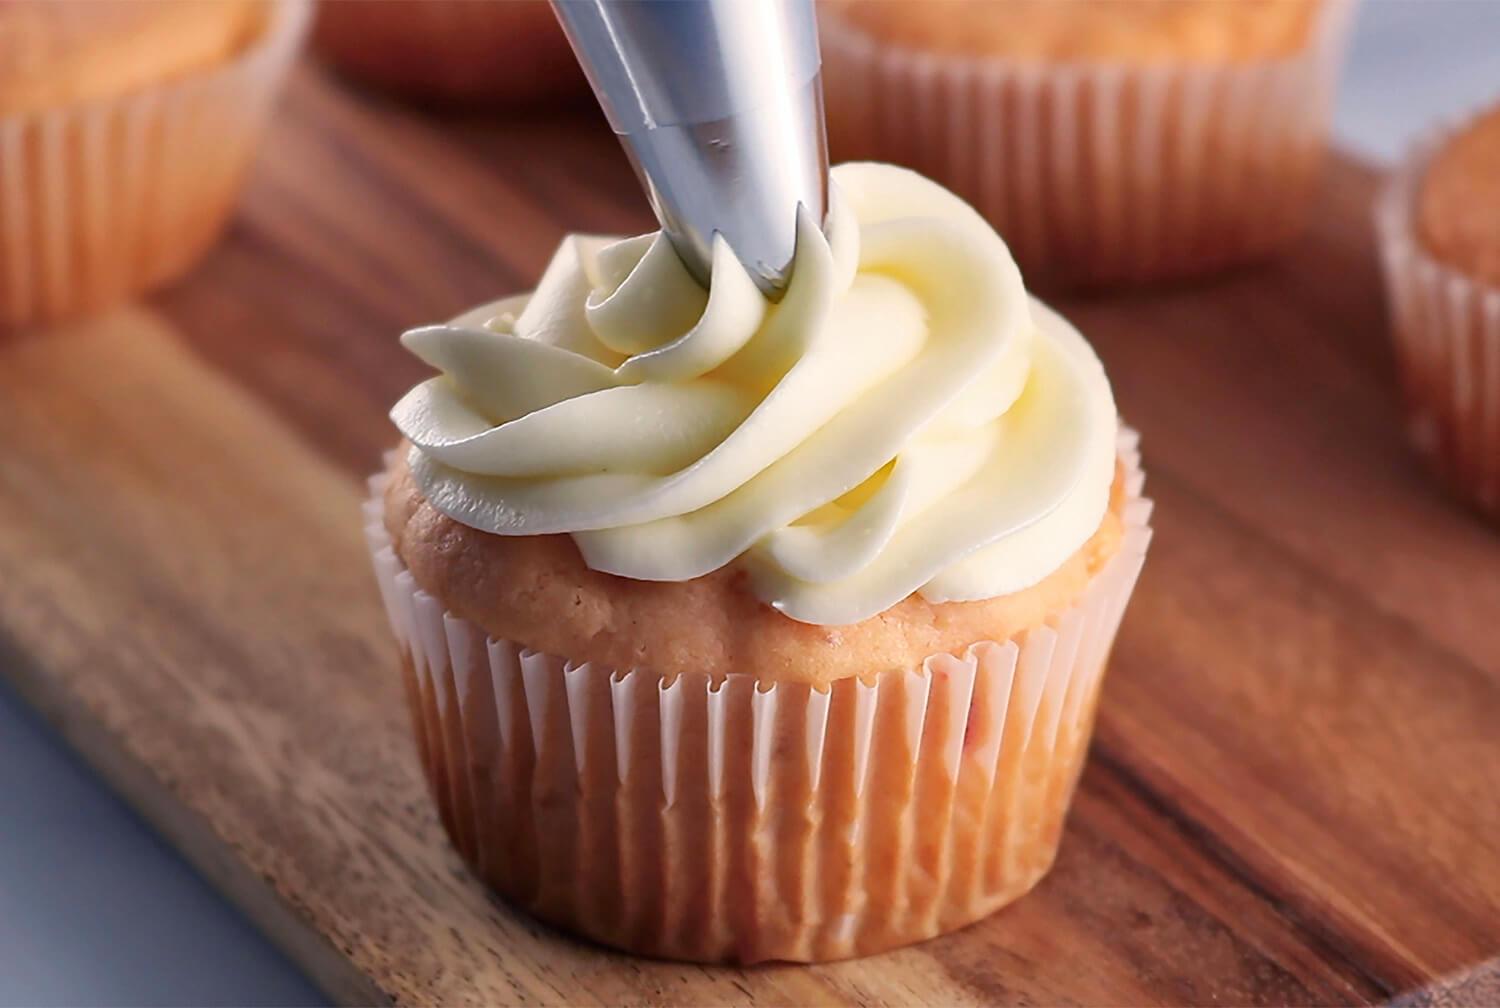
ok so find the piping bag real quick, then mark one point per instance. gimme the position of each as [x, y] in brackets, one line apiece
[719, 104]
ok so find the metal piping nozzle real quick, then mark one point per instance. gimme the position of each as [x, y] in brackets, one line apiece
[720, 107]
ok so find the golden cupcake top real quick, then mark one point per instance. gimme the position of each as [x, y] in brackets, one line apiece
[494, 51]
[1122, 31]
[1458, 204]
[57, 52]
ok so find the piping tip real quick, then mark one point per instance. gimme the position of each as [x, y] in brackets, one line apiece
[719, 104]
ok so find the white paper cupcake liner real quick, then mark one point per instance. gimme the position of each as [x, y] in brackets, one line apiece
[712, 818]
[1098, 173]
[102, 199]
[1447, 336]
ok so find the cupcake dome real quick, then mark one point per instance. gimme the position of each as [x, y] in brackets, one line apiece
[1109, 141]
[1094, 31]
[510, 52]
[1458, 204]
[54, 54]
[1438, 220]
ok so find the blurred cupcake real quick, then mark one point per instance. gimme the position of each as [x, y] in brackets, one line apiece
[1108, 140]
[814, 672]
[1438, 220]
[125, 131]
[498, 51]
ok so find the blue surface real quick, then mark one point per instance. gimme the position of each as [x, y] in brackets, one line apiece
[94, 909]
[1415, 63]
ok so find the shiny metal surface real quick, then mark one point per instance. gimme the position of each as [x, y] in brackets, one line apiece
[720, 106]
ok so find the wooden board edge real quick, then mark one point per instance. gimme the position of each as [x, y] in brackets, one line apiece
[191, 836]
[1478, 986]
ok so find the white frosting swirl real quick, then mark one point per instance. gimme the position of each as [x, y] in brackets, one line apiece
[905, 420]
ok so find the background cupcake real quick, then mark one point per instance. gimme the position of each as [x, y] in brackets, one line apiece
[1438, 219]
[508, 52]
[1108, 140]
[804, 704]
[125, 131]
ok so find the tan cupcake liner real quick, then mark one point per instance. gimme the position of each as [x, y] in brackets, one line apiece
[711, 818]
[102, 199]
[1447, 336]
[1099, 174]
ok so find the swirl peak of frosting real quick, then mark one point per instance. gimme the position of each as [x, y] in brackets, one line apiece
[905, 420]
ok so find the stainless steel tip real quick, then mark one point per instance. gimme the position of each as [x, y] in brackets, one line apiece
[720, 107]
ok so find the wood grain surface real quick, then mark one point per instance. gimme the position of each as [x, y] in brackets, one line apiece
[1294, 795]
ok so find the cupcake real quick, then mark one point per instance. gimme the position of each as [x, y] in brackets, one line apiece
[1438, 220]
[509, 52]
[125, 131]
[1110, 141]
[736, 631]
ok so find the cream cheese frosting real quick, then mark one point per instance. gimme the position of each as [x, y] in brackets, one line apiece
[906, 419]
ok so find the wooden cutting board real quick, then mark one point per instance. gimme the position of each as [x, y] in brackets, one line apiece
[1294, 796]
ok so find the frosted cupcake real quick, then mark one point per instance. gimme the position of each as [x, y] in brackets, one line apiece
[125, 131]
[738, 631]
[1438, 219]
[1108, 140]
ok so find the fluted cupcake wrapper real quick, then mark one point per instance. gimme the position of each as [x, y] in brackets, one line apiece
[103, 199]
[1099, 174]
[1447, 336]
[713, 818]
